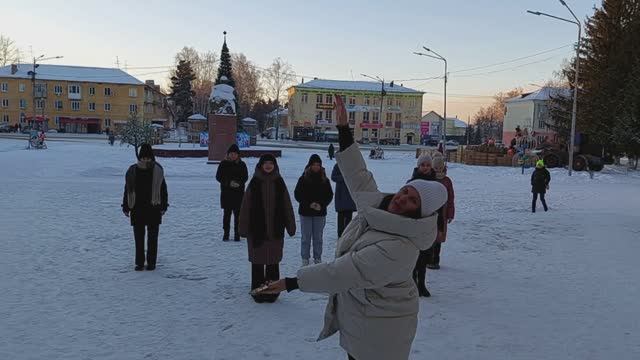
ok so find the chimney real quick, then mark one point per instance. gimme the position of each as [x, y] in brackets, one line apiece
[14, 69]
[149, 82]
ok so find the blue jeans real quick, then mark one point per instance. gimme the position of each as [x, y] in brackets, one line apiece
[312, 228]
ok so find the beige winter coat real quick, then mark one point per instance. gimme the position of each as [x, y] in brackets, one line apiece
[373, 300]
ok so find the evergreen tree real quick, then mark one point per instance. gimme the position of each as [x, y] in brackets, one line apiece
[477, 135]
[225, 65]
[136, 132]
[181, 92]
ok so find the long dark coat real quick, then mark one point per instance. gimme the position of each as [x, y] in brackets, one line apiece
[313, 188]
[540, 178]
[143, 212]
[231, 198]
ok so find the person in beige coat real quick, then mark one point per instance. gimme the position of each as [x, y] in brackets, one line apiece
[373, 300]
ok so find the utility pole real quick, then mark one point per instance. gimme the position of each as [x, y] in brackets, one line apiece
[33, 83]
[382, 94]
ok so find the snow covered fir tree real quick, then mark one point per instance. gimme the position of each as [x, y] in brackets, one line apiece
[182, 92]
[225, 65]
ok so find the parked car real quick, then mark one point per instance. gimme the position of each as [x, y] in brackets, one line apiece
[452, 143]
[5, 128]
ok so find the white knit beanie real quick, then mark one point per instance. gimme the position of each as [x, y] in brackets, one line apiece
[424, 158]
[432, 195]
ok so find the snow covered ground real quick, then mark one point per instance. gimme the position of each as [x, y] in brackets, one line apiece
[513, 285]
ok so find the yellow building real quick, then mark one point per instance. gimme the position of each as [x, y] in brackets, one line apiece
[68, 98]
[394, 120]
[156, 108]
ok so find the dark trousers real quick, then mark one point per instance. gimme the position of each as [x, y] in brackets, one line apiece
[535, 200]
[152, 243]
[344, 218]
[433, 253]
[226, 220]
[263, 273]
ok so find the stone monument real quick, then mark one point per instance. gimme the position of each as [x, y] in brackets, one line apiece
[222, 121]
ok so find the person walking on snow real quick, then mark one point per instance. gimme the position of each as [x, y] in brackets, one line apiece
[343, 202]
[313, 192]
[540, 179]
[332, 151]
[145, 201]
[265, 213]
[424, 171]
[448, 212]
[232, 174]
[373, 301]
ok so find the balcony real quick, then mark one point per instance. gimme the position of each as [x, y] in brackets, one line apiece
[75, 96]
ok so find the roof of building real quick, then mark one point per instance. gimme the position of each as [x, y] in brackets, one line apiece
[281, 112]
[457, 122]
[197, 117]
[71, 73]
[350, 85]
[543, 94]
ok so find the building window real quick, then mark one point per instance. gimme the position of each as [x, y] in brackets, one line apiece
[57, 120]
[389, 116]
[365, 133]
[365, 117]
[74, 89]
[57, 89]
[397, 134]
[107, 91]
[5, 103]
[21, 87]
[4, 87]
[327, 115]
[23, 104]
[133, 92]
[92, 106]
[376, 116]
[319, 98]
[398, 117]
[133, 108]
[107, 107]
[318, 115]
[5, 118]
[92, 91]
[75, 105]
[367, 101]
[305, 98]
[412, 102]
[352, 118]
[148, 108]
[352, 100]
[389, 101]
[398, 102]
[58, 104]
[40, 104]
[328, 99]
[107, 122]
[374, 133]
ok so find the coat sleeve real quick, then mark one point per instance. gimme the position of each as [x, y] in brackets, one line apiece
[220, 173]
[451, 206]
[532, 176]
[328, 194]
[244, 177]
[165, 196]
[245, 210]
[354, 171]
[547, 178]
[298, 191]
[374, 266]
[334, 173]
[290, 218]
[125, 203]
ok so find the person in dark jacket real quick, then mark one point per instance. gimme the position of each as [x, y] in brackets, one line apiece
[232, 174]
[313, 192]
[540, 179]
[345, 206]
[332, 151]
[440, 169]
[425, 171]
[265, 214]
[145, 201]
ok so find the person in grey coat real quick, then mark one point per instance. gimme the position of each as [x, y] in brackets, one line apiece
[373, 301]
[343, 202]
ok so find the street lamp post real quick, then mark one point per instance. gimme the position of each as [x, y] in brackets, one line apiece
[575, 81]
[33, 73]
[382, 93]
[446, 79]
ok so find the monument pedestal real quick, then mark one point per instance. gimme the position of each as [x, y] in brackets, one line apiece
[222, 134]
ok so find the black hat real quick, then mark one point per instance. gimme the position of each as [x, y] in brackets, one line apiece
[233, 148]
[146, 152]
[267, 157]
[315, 158]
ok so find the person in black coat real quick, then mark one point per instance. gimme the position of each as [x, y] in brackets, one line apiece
[425, 171]
[540, 179]
[232, 175]
[145, 201]
[313, 192]
[332, 151]
[345, 206]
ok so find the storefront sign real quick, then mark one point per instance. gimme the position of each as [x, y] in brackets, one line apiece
[424, 128]
[370, 126]
[325, 106]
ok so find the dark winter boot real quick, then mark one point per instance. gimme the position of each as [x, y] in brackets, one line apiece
[258, 298]
[270, 298]
[139, 268]
[225, 237]
[422, 287]
[236, 237]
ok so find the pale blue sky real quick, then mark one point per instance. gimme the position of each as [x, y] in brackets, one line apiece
[320, 38]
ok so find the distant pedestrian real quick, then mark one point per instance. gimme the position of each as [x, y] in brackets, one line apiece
[345, 206]
[145, 201]
[232, 175]
[540, 179]
[313, 192]
[449, 212]
[265, 214]
[332, 151]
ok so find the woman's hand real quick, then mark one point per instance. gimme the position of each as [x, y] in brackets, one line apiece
[275, 287]
[341, 112]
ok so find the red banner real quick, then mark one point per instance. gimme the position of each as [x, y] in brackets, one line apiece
[371, 126]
